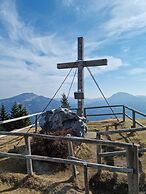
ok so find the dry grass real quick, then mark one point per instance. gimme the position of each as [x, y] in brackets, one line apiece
[13, 172]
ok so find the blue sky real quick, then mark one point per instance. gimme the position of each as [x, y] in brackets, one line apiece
[35, 35]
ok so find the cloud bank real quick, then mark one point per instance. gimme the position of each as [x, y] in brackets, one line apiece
[28, 59]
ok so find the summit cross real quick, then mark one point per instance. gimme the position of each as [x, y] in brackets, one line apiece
[80, 64]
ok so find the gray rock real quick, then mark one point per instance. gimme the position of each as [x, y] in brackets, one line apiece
[63, 118]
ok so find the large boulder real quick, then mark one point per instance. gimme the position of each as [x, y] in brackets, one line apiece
[63, 119]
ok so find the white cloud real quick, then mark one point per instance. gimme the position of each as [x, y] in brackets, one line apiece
[114, 64]
[15, 28]
[126, 16]
[29, 60]
[123, 16]
[137, 71]
[68, 2]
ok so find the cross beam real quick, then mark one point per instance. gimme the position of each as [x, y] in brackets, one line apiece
[91, 63]
[80, 64]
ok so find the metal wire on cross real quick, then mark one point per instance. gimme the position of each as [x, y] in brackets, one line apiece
[102, 93]
[50, 101]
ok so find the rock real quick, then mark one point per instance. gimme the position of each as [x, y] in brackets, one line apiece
[63, 118]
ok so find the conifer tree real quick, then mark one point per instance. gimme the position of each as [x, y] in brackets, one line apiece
[64, 102]
[14, 111]
[18, 110]
[3, 116]
[23, 112]
[3, 113]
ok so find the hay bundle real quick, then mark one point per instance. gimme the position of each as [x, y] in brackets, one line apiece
[51, 148]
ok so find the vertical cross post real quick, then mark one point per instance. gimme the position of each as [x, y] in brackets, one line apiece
[80, 75]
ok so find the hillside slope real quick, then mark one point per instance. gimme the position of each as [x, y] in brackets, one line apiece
[33, 102]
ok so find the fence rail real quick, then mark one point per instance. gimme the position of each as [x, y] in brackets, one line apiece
[20, 118]
[123, 113]
[66, 138]
[121, 131]
[107, 114]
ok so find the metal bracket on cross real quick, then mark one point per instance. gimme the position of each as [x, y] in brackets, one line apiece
[80, 64]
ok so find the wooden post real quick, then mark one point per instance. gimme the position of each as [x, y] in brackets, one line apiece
[36, 123]
[133, 162]
[116, 126]
[124, 116]
[71, 154]
[28, 152]
[133, 119]
[98, 150]
[86, 183]
[85, 112]
[80, 75]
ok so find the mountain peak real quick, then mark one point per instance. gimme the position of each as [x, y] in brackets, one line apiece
[27, 94]
[122, 95]
[33, 102]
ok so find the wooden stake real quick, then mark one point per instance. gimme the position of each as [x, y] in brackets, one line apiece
[80, 75]
[98, 151]
[133, 119]
[28, 152]
[71, 154]
[36, 123]
[124, 116]
[132, 162]
[86, 180]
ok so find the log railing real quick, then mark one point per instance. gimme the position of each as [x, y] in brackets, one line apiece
[122, 114]
[132, 160]
[121, 111]
[118, 131]
[132, 169]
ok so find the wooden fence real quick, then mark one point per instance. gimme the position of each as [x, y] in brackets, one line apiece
[122, 113]
[118, 131]
[101, 154]
[131, 151]
[132, 168]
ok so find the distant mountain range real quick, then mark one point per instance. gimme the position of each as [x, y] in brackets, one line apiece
[35, 103]
[31, 101]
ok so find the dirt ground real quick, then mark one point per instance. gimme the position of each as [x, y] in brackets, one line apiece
[6, 189]
[36, 184]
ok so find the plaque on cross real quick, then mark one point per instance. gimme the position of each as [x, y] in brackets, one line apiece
[80, 64]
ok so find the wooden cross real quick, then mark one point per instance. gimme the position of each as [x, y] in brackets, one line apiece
[80, 64]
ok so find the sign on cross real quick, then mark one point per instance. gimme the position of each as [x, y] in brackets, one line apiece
[80, 64]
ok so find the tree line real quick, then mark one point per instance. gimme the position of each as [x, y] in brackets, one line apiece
[17, 110]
